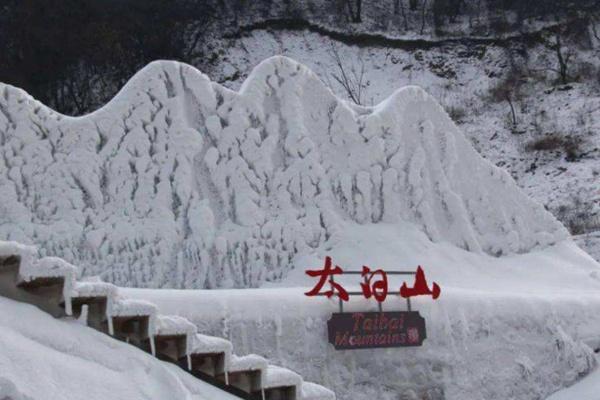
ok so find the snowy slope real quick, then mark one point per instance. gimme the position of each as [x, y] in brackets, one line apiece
[180, 182]
[462, 77]
[587, 389]
[44, 358]
[517, 327]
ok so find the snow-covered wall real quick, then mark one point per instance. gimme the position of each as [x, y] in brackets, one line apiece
[180, 182]
[492, 346]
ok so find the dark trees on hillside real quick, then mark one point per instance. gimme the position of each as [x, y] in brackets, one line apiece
[60, 51]
[355, 10]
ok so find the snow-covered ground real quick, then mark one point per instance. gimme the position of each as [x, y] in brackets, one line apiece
[590, 242]
[46, 358]
[587, 389]
[516, 327]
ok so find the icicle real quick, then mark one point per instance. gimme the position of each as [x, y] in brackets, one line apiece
[111, 329]
[262, 393]
[189, 362]
[83, 317]
[152, 348]
[68, 306]
[226, 377]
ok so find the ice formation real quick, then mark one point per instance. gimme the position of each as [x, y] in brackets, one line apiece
[179, 182]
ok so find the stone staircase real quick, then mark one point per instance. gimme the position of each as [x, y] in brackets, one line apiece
[50, 284]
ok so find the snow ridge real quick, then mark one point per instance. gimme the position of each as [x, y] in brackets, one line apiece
[179, 182]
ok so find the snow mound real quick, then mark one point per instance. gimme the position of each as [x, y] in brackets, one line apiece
[68, 361]
[179, 182]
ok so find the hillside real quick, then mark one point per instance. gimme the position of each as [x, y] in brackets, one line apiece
[179, 182]
[520, 79]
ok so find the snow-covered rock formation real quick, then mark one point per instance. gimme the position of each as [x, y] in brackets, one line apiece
[180, 182]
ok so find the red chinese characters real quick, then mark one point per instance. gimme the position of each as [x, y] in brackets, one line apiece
[375, 283]
[377, 289]
[323, 274]
[420, 287]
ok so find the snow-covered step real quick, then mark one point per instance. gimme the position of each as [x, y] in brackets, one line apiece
[245, 373]
[173, 336]
[11, 255]
[48, 283]
[132, 321]
[210, 355]
[281, 384]
[97, 297]
[312, 391]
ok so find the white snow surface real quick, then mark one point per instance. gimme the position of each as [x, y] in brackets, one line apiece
[95, 289]
[249, 362]
[587, 389]
[27, 253]
[124, 307]
[204, 344]
[512, 327]
[179, 182]
[312, 391]
[276, 376]
[174, 325]
[44, 358]
[51, 267]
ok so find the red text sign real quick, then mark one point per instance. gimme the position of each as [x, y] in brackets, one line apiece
[375, 283]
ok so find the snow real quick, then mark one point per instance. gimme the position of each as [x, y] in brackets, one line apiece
[65, 360]
[587, 389]
[460, 76]
[249, 362]
[95, 289]
[590, 242]
[204, 344]
[27, 253]
[51, 267]
[124, 307]
[174, 325]
[312, 391]
[179, 182]
[276, 376]
[530, 317]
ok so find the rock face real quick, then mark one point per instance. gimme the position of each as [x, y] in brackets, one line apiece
[179, 182]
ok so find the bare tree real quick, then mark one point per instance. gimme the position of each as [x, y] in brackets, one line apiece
[355, 10]
[563, 55]
[352, 80]
[594, 19]
[423, 13]
[509, 90]
[399, 9]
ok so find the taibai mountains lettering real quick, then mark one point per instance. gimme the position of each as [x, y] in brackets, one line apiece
[376, 329]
